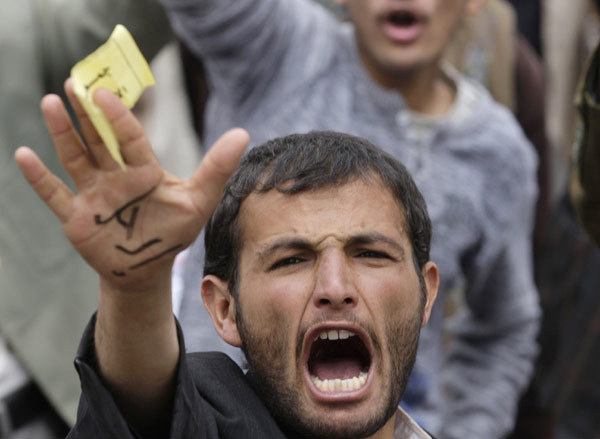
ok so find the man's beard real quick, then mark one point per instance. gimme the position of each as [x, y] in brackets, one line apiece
[271, 378]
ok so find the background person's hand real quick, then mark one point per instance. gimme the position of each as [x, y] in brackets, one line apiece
[128, 225]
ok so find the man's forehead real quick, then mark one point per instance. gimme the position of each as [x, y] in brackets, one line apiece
[368, 187]
[369, 181]
[365, 208]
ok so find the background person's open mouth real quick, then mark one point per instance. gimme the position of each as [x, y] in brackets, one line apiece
[402, 26]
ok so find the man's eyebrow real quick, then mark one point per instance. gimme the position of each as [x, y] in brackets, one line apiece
[374, 238]
[296, 243]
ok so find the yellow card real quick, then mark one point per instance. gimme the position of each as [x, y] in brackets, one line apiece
[119, 66]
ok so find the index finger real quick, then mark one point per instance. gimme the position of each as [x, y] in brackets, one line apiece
[57, 196]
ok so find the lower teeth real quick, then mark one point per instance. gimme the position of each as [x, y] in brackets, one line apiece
[339, 384]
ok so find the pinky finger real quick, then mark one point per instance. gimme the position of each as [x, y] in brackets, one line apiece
[57, 196]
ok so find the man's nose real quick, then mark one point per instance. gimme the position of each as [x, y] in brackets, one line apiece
[335, 284]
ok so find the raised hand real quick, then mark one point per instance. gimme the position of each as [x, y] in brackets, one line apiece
[128, 225]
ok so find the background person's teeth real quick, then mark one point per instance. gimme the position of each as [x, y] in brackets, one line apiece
[333, 334]
[344, 334]
[323, 335]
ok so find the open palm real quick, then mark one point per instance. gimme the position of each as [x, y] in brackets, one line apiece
[128, 225]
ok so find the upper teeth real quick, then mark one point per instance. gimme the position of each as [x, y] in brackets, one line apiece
[334, 334]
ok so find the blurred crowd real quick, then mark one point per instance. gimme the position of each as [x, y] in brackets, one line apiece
[534, 57]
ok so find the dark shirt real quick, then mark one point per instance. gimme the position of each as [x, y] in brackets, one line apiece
[213, 399]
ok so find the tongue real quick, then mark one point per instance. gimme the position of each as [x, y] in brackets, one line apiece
[342, 368]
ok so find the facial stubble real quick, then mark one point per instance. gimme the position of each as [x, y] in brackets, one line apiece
[270, 374]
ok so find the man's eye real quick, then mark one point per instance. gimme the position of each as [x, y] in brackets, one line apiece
[286, 262]
[373, 254]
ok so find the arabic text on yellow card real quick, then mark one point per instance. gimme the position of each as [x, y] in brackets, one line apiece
[119, 66]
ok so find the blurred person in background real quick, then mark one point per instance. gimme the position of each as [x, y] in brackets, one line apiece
[585, 181]
[277, 67]
[45, 289]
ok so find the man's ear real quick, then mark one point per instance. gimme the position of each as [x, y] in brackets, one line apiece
[221, 306]
[432, 283]
[472, 7]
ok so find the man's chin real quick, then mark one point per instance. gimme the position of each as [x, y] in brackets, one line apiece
[344, 429]
[338, 422]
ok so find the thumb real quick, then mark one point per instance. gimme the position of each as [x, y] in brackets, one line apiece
[209, 179]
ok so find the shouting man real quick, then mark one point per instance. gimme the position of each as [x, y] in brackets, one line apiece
[317, 266]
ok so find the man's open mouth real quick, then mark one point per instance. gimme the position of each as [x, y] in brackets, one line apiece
[402, 25]
[338, 361]
[402, 18]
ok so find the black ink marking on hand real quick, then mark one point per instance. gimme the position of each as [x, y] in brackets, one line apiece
[158, 256]
[140, 248]
[129, 223]
[118, 273]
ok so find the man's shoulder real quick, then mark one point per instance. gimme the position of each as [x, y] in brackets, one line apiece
[485, 111]
[488, 128]
[217, 377]
[227, 396]
[477, 105]
[216, 364]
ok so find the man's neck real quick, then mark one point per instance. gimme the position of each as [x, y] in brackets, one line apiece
[387, 431]
[426, 90]
[430, 94]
